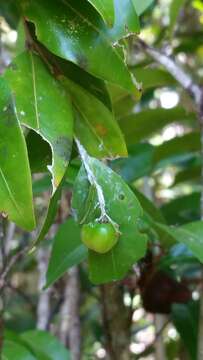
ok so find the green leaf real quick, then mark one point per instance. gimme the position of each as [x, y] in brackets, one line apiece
[174, 12]
[88, 82]
[105, 8]
[75, 31]
[139, 126]
[141, 5]
[182, 209]
[192, 173]
[152, 78]
[15, 351]
[191, 235]
[84, 196]
[137, 164]
[186, 320]
[165, 236]
[95, 125]
[11, 12]
[126, 21]
[67, 251]
[124, 209]
[176, 147]
[15, 177]
[46, 108]
[44, 345]
[50, 215]
[149, 207]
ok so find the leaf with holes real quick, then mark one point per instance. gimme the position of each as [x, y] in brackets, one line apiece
[15, 177]
[126, 21]
[125, 210]
[46, 108]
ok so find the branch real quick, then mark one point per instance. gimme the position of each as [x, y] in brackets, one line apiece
[13, 260]
[70, 320]
[116, 319]
[181, 76]
[43, 307]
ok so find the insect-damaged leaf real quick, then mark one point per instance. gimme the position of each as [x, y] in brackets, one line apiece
[45, 108]
[125, 210]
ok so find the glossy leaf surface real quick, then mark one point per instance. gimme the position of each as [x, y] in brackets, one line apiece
[191, 235]
[141, 5]
[105, 8]
[15, 177]
[67, 251]
[186, 320]
[124, 209]
[95, 125]
[46, 108]
[75, 31]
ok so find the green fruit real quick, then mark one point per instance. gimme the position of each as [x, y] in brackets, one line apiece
[99, 237]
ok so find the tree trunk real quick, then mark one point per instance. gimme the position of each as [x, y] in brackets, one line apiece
[43, 307]
[116, 322]
[159, 322]
[69, 332]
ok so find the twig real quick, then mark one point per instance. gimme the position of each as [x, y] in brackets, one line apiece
[13, 260]
[181, 76]
[24, 296]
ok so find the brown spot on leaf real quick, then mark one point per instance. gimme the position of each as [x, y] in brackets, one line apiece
[101, 130]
